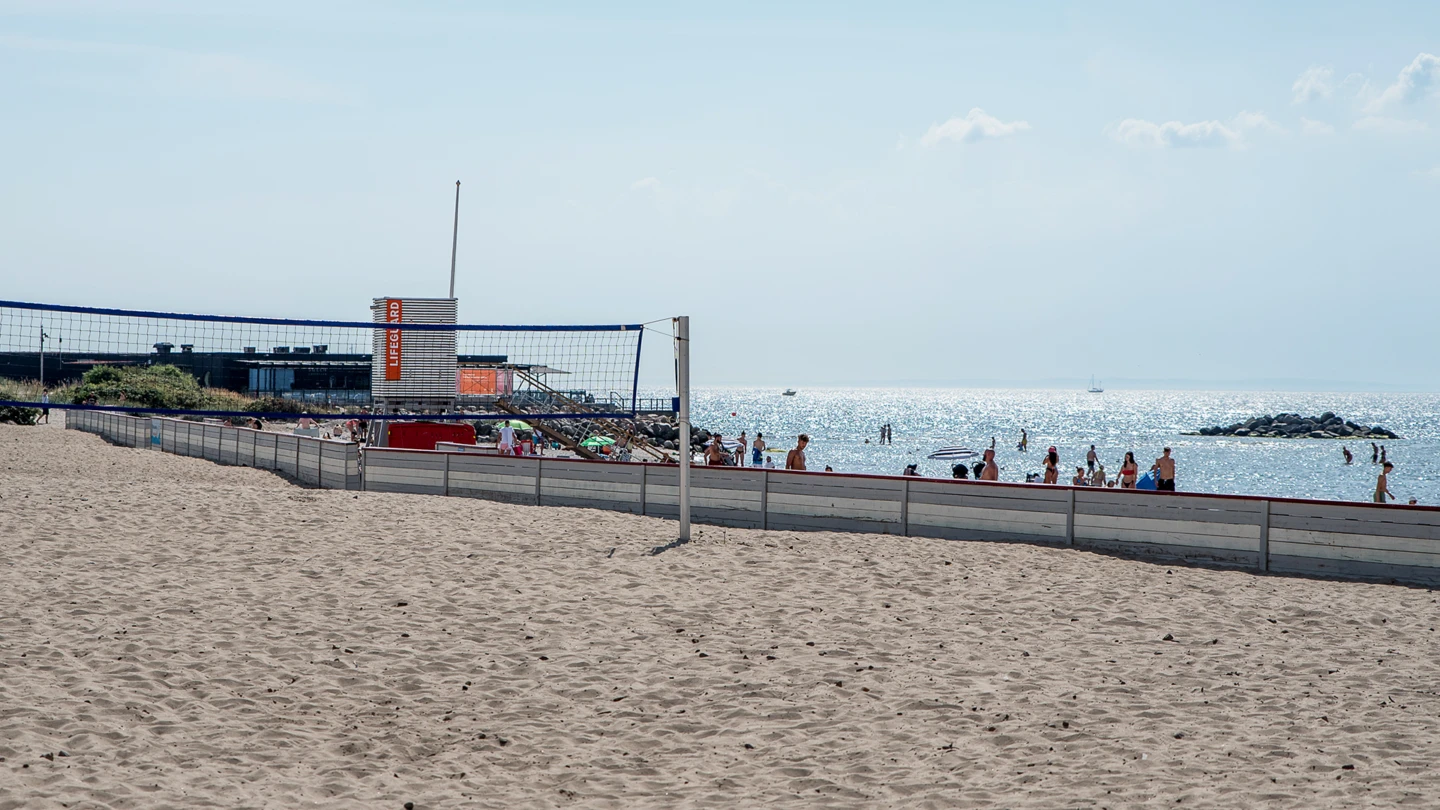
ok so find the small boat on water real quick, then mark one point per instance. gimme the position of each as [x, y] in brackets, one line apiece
[1095, 388]
[788, 392]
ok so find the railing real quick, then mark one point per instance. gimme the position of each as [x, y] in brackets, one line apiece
[1349, 540]
[318, 462]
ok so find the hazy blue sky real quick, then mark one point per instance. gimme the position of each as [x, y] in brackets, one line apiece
[836, 192]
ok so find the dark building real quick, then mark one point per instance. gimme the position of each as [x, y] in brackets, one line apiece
[309, 373]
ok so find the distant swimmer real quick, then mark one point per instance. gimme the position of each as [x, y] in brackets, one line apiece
[1091, 458]
[992, 442]
[795, 459]
[1165, 467]
[1129, 471]
[1349, 457]
[992, 470]
[1052, 466]
[1382, 484]
[1024, 442]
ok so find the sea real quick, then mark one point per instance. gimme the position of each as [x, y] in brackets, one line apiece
[840, 420]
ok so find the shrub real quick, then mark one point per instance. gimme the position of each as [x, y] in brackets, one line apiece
[19, 416]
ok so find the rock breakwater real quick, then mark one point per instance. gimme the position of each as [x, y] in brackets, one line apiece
[1294, 426]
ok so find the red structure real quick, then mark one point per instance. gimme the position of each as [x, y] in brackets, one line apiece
[424, 435]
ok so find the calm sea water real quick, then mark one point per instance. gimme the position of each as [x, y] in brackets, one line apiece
[839, 420]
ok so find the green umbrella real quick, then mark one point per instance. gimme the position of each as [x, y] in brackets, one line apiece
[516, 424]
[597, 441]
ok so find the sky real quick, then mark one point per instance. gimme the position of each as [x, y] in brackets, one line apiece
[952, 194]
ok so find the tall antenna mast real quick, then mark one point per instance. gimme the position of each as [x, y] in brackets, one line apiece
[455, 239]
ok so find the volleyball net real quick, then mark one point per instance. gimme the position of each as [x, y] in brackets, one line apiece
[411, 361]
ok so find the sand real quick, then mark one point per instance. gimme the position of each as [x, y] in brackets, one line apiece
[180, 634]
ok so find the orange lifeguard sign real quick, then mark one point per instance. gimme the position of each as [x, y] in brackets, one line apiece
[394, 313]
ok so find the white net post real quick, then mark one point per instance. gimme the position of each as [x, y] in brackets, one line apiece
[682, 385]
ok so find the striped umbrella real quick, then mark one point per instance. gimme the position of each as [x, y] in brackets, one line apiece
[953, 453]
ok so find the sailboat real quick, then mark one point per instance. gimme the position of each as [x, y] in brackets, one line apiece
[1095, 388]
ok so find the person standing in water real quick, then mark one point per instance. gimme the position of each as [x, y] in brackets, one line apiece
[1129, 471]
[992, 470]
[1091, 458]
[1374, 453]
[1052, 466]
[741, 450]
[1348, 457]
[1164, 468]
[1382, 484]
[757, 450]
[1382, 454]
[795, 459]
[1024, 442]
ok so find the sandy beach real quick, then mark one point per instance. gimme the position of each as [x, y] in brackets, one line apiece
[181, 634]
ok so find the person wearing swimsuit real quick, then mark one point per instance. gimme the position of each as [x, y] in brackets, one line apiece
[795, 459]
[1128, 472]
[1052, 466]
[757, 454]
[740, 451]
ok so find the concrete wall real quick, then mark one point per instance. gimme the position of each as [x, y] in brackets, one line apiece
[318, 462]
[1350, 540]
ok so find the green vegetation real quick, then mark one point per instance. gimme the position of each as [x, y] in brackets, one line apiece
[16, 391]
[152, 387]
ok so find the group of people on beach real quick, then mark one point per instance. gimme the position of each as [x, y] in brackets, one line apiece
[1091, 475]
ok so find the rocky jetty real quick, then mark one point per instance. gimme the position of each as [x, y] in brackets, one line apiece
[660, 430]
[1294, 426]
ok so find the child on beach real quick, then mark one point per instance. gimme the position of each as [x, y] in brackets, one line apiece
[1382, 484]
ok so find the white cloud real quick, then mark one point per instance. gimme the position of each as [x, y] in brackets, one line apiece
[1309, 127]
[1419, 79]
[975, 126]
[1174, 134]
[1431, 174]
[651, 183]
[1390, 126]
[1313, 84]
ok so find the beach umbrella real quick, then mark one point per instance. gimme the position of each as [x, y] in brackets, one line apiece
[597, 441]
[516, 424]
[953, 453]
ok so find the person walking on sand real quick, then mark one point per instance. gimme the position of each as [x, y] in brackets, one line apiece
[1052, 466]
[757, 450]
[795, 459]
[1164, 468]
[741, 450]
[1129, 471]
[992, 470]
[1382, 484]
[1091, 458]
[1348, 456]
[507, 439]
[45, 406]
